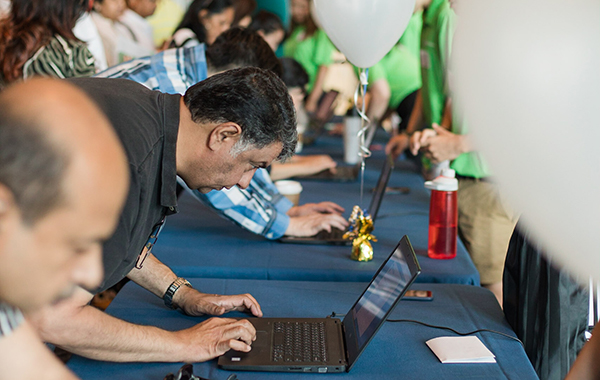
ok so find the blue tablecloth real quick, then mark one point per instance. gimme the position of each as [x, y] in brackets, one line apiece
[397, 351]
[197, 243]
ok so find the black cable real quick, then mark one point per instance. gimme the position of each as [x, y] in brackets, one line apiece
[456, 332]
[334, 314]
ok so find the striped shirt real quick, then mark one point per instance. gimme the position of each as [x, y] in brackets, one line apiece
[172, 71]
[10, 319]
[61, 58]
[260, 208]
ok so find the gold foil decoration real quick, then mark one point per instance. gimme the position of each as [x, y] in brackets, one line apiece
[361, 226]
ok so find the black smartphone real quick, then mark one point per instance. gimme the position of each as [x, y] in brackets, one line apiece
[418, 295]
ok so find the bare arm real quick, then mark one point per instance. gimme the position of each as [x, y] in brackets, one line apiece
[380, 98]
[302, 165]
[24, 356]
[399, 143]
[313, 99]
[447, 115]
[86, 331]
[157, 277]
[587, 365]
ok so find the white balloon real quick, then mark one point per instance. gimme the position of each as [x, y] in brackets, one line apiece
[527, 74]
[364, 30]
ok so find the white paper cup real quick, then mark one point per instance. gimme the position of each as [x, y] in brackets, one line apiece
[290, 189]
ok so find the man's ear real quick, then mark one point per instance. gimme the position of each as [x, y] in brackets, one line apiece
[224, 135]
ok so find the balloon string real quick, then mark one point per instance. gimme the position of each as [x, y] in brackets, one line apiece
[364, 151]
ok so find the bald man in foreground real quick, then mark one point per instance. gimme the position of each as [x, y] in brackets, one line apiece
[63, 182]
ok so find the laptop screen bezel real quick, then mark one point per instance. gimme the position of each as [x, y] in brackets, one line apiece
[382, 182]
[350, 332]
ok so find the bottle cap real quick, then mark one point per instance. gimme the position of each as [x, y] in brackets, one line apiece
[445, 182]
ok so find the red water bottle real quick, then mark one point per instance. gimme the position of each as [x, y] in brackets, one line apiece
[443, 216]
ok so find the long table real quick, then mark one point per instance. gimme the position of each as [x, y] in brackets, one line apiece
[397, 351]
[197, 243]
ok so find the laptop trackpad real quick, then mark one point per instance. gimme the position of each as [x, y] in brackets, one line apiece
[262, 340]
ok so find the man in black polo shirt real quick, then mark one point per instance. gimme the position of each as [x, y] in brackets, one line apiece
[213, 137]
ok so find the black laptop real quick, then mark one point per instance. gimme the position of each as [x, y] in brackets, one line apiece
[324, 345]
[335, 236]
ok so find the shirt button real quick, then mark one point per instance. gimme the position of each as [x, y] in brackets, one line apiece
[172, 208]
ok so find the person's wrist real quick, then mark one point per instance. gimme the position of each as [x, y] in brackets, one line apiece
[173, 294]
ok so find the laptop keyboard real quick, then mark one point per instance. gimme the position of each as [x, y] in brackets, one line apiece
[299, 342]
[335, 234]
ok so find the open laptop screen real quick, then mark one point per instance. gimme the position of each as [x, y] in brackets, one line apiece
[382, 182]
[378, 300]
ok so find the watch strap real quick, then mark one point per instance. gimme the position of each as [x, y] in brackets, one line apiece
[175, 285]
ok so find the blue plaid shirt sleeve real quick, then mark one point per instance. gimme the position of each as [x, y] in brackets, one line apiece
[260, 208]
[172, 71]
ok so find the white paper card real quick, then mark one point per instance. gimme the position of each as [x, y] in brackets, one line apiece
[460, 349]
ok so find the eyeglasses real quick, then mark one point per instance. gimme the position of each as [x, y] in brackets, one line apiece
[139, 263]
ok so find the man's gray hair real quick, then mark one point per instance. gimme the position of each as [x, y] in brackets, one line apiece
[255, 99]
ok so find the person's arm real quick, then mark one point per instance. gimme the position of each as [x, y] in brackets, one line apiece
[441, 144]
[587, 365]
[313, 98]
[447, 115]
[156, 277]
[302, 165]
[309, 219]
[84, 330]
[259, 209]
[380, 98]
[399, 143]
[24, 356]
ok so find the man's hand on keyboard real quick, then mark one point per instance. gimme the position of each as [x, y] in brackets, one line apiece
[310, 225]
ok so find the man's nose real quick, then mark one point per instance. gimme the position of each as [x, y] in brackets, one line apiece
[89, 270]
[244, 182]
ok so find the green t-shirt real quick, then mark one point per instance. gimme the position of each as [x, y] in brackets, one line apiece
[436, 41]
[469, 164]
[411, 38]
[315, 51]
[291, 43]
[400, 68]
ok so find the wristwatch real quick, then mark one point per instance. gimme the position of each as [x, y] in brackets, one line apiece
[168, 297]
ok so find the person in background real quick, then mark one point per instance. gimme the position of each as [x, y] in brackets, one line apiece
[302, 26]
[63, 181]
[164, 21]
[203, 22]
[36, 38]
[175, 70]
[134, 18]
[432, 102]
[106, 14]
[243, 12]
[120, 42]
[85, 30]
[269, 27]
[485, 220]
[396, 78]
